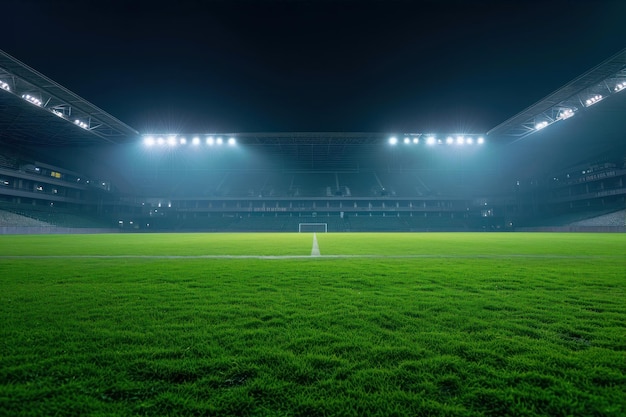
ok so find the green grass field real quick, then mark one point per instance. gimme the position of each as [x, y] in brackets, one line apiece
[251, 325]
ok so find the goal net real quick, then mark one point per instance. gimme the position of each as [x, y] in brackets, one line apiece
[312, 227]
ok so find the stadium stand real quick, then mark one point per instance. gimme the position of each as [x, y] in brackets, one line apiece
[237, 185]
[8, 218]
[567, 218]
[277, 185]
[311, 184]
[28, 215]
[616, 218]
[360, 184]
[8, 162]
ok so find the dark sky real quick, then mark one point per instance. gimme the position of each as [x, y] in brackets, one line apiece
[244, 66]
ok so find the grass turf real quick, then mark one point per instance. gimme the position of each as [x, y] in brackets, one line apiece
[483, 324]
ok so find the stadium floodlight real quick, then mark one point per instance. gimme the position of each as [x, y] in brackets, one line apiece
[231, 141]
[460, 140]
[31, 99]
[210, 141]
[565, 114]
[619, 87]
[393, 140]
[171, 140]
[541, 125]
[431, 140]
[183, 141]
[195, 141]
[416, 140]
[148, 141]
[81, 124]
[219, 141]
[480, 140]
[593, 100]
[449, 140]
[161, 141]
[469, 141]
[407, 140]
[57, 112]
[4, 86]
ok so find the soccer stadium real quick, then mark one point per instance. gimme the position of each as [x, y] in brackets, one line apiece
[313, 273]
[66, 164]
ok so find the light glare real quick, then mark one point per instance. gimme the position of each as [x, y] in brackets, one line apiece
[81, 124]
[31, 99]
[593, 100]
[566, 114]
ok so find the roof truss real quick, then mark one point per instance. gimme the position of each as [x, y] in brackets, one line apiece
[580, 94]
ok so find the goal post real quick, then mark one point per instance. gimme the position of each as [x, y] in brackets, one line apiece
[312, 227]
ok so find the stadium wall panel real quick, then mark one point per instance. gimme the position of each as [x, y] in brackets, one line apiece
[17, 230]
[575, 229]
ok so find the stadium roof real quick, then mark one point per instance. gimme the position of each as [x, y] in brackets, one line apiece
[38, 111]
[595, 85]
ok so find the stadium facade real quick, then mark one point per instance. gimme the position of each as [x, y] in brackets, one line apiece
[65, 162]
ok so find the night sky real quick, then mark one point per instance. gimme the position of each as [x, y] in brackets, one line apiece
[252, 66]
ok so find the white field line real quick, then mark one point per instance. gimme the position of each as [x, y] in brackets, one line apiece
[363, 256]
[315, 250]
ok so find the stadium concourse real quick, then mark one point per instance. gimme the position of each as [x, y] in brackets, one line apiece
[560, 164]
